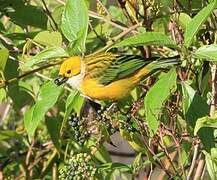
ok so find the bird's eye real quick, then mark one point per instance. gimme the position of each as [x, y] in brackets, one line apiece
[68, 72]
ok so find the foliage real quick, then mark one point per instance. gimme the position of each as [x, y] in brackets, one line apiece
[169, 120]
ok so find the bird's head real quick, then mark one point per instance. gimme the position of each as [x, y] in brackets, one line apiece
[70, 67]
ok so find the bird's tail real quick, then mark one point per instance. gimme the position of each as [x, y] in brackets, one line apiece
[158, 64]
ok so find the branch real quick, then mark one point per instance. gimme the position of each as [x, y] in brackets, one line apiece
[199, 170]
[7, 82]
[214, 91]
[97, 16]
[119, 36]
[196, 147]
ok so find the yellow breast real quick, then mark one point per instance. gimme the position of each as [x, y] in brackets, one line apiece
[113, 91]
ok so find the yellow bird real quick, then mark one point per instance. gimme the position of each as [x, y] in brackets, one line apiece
[108, 76]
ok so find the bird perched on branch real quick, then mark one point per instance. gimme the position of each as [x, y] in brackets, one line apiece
[108, 76]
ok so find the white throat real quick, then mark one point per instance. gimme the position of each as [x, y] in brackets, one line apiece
[75, 81]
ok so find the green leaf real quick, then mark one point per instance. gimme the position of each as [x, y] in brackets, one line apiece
[134, 140]
[46, 99]
[207, 52]
[44, 56]
[8, 134]
[53, 127]
[117, 14]
[210, 166]
[24, 15]
[75, 22]
[20, 93]
[157, 96]
[2, 94]
[57, 15]
[137, 162]
[183, 19]
[101, 154]
[195, 107]
[194, 25]
[148, 38]
[4, 54]
[74, 101]
[49, 39]
[204, 122]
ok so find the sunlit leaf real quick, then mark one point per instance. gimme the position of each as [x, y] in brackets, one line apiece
[194, 25]
[204, 122]
[183, 19]
[210, 163]
[45, 56]
[49, 39]
[2, 94]
[147, 38]
[46, 99]
[74, 23]
[157, 96]
[207, 52]
[4, 54]
[74, 101]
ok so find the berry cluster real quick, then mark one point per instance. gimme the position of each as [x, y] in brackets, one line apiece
[127, 125]
[78, 167]
[77, 125]
[105, 119]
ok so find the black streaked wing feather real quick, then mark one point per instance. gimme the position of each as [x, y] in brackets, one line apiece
[123, 66]
[96, 65]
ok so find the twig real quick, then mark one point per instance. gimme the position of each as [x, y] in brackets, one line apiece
[166, 165]
[37, 160]
[61, 2]
[196, 147]
[166, 152]
[5, 113]
[199, 169]
[54, 172]
[97, 35]
[7, 82]
[1, 175]
[204, 172]
[49, 15]
[214, 91]
[97, 16]
[29, 152]
[147, 50]
[119, 36]
[159, 162]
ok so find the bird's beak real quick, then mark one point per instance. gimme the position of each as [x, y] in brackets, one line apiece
[60, 80]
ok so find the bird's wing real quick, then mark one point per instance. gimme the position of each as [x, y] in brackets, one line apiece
[96, 65]
[108, 67]
[123, 66]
